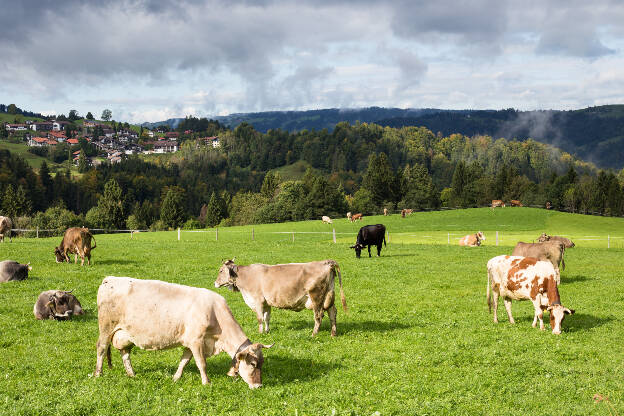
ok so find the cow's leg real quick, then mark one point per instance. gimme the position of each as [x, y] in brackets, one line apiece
[266, 317]
[200, 360]
[89, 258]
[125, 358]
[379, 250]
[507, 302]
[318, 318]
[259, 317]
[102, 347]
[369, 255]
[332, 312]
[186, 357]
[539, 313]
[495, 295]
[121, 341]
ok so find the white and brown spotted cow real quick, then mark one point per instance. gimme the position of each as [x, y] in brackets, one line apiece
[526, 278]
[498, 203]
[472, 240]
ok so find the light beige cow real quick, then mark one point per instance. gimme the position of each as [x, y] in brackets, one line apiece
[155, 315]
[526, 278]
[551, 251]
[286, 286]
[472, 240]
[326, 219]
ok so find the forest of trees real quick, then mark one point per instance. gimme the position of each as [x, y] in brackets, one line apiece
[358, 168]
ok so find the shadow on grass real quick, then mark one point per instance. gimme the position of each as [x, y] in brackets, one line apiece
[584, 321]
[87, 317]
[343, 327]
[575, 279]
[288, 369]
[112, 261]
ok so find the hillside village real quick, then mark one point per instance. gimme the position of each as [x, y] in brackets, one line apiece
[112, 144]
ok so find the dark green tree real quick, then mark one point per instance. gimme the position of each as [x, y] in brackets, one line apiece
[111, 206]
[82, 163]
[12, 109]
[172, 211]
[107, 115]
[459, 182]
[270, 184]
[73, 115]
[89, 116]
[213, 211]
[380, 180]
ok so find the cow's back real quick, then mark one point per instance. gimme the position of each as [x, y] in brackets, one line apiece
[371, 234]
[156, 314]
[519, 277]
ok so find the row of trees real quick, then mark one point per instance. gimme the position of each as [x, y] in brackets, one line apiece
[362, 168]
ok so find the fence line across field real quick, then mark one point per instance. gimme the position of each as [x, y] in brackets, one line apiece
[449, 235]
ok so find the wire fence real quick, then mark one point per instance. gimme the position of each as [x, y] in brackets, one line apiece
[496, 238]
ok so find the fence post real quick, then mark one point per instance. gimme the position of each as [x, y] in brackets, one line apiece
[334, 233]
[448, 238]
[388, 236]
[131, 232]
[293, 234]
[178, 233]
[608, 241]
[217, 233]
[37, 232]
[253, 236]
[496, 237]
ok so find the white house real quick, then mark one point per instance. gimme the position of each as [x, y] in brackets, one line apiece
[165, 146]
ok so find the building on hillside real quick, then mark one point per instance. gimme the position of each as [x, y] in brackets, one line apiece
[51, 142]
[211, 141]
[41, 126]
[165, 146]
[72, 141]
[57, 135]
[38, 141]
[15, 127]
[172, 135]
[59, 125]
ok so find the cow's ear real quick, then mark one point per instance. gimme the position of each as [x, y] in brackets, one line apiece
[267, 346]
[241, 355]
[568, 311]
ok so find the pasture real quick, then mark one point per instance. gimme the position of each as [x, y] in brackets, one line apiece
[418, 338]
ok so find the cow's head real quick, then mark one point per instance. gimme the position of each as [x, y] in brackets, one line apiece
[63, 305]
[248, 364]
[358, 249]
[543, 237]
[60, 256]
[480, 236]
[227, 275]
[557, 314]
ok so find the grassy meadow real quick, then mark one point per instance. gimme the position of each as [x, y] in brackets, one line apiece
[418, 338]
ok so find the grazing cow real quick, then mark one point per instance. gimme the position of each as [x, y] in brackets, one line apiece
[515, 203]
[497, 203]
[78, 241]
[522, 278]
[472, 240]
[356, 217]
[5, 228]
[349, 216]
[326, 220]
[57, 304]
[406, 211]
[551, 251]
[286, 286]
[566, 242]
[155, 315]
[386, 212]
[370, 235]
[12, 270]
[548, 205]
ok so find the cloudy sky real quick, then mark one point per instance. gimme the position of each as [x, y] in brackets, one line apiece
[151, 60]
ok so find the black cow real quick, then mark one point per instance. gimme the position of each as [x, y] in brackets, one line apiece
[370, 235]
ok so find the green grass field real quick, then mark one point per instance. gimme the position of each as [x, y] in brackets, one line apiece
[418, 338]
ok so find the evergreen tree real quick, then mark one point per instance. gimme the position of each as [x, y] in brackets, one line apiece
[380, 180]
[460, 179]
[213, 211]
[110, 205]
[172, 207]
[9, 202]
[46, 182]
[89, 116]
[270, 184]
[82, 163]
[24, 205]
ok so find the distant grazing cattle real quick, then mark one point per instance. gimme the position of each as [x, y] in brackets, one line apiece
[326, 219]
[385, 211]
[155, 315]
[472, 240]
[57, 304]
[356, 217]
[526, 278]
[406, 211]
[349, 216]
[286, 286]
[78, 241]
[370, 235]
[551, 251]
[548, 205]
[5, 228]
[12, 270]
[515, 203]
[497, 203]
[566, 242]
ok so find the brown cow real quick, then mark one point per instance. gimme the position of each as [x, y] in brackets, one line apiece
[78, 241]
[405, 212]
[497, 203]
[286, 286]
[472, 240]
[57, 304]
[356, 217]
[551, 251]
[566, 242]
[520, 278]
[515, 203]
[5, 228]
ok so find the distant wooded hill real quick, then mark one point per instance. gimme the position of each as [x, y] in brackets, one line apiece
[594, 134]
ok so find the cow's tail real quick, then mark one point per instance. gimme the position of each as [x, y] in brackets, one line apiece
[343, 300]
[562, 255]
[385, 239]
[94, 242]
[488, 296]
